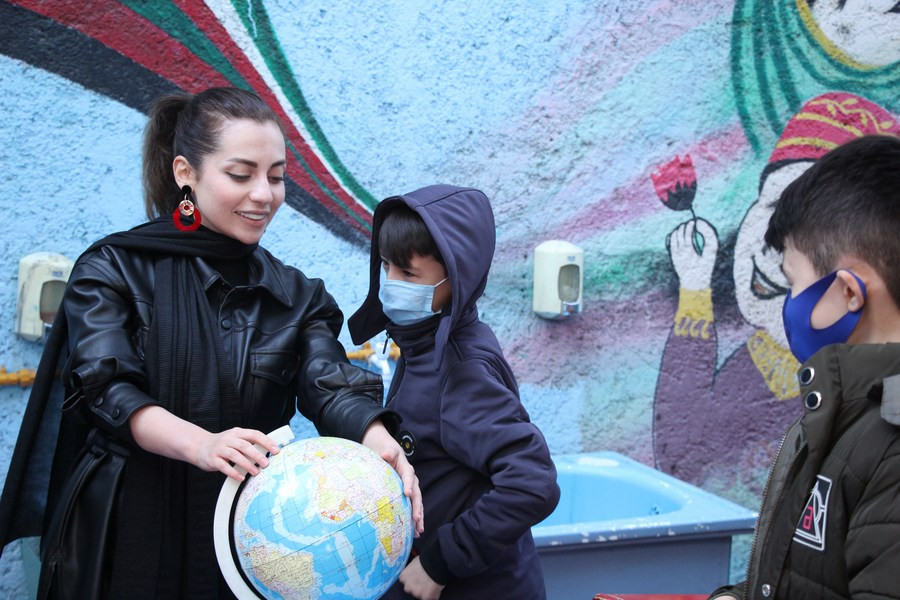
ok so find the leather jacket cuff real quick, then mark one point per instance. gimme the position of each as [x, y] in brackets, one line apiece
[109, 410]
[390, 419]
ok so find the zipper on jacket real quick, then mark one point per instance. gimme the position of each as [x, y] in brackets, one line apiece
[749, 592]
[396, 379]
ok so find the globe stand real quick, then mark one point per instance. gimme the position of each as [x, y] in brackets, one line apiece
[222, 525]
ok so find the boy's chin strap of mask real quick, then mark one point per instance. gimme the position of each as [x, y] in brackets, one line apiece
[803, 338]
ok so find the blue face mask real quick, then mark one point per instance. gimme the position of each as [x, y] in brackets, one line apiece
[406, 303]
[803, 338]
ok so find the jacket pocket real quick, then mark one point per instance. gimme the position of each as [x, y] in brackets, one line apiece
[272, 390]
[279, 367]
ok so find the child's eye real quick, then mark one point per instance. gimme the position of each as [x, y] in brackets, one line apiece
[408, 274]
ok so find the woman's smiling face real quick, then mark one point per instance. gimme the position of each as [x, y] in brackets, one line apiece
[239, 187]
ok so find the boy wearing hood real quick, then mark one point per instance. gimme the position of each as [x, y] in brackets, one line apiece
[484, 469]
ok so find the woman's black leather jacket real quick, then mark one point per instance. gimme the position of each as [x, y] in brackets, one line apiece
[279, 335]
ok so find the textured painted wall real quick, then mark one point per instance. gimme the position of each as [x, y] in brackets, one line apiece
[569, 115]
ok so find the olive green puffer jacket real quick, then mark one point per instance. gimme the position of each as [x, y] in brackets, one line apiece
[829, 526]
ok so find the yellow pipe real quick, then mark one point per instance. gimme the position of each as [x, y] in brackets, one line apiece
[366, 351]
[22, 377]
[25, 377]
[361, 354]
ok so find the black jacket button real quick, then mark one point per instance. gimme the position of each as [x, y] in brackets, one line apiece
[813, 400]
[807, 375]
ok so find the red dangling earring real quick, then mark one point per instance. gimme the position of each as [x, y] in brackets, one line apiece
[186, 208]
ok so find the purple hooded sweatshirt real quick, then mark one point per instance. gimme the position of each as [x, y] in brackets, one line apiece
[484, 469]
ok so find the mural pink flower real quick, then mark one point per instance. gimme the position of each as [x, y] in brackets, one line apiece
[676, 185]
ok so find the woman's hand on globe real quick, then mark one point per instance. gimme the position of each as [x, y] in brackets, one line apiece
[234, 448]
[378, 439]
[417, 583]
[157, 430]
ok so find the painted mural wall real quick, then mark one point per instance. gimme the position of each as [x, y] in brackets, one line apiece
[651, 134]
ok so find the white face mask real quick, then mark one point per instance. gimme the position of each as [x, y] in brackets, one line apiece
[406, 303]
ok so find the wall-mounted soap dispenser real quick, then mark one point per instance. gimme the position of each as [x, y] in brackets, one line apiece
[558, 274]
[42, 281]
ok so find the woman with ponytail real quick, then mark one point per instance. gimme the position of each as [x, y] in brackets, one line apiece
[179, 342]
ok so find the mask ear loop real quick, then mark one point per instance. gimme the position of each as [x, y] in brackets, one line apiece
[805, 302]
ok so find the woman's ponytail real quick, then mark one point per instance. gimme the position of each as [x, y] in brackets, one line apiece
[161, 193]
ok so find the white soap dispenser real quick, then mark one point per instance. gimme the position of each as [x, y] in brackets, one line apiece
[558, 276]
[42, 282]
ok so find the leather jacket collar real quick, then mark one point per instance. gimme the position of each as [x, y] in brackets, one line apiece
[262, 274]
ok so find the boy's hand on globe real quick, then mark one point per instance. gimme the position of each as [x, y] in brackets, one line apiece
[417, 583]
[378, 439]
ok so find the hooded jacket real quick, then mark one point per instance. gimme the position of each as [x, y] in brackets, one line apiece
[829, 526]
[484, 469]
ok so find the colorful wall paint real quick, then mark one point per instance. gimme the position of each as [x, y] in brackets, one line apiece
[650, 134]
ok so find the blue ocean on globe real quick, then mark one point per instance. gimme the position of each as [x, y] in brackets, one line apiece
[327, 519]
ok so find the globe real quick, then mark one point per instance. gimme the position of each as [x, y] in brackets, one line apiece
[327, 519]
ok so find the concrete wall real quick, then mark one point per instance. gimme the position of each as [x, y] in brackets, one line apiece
[569, 115]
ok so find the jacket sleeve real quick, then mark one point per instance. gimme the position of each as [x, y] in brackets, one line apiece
[485, 427]
[104, 373]
[340, 399]
[873, 536]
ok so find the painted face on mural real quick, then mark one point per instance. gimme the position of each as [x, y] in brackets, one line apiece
[759, 284]
[864, 30]
[239, 187]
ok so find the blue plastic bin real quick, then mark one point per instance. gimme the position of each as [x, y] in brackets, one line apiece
[622, 527]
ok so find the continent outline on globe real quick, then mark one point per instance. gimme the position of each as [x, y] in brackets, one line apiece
[327, 519]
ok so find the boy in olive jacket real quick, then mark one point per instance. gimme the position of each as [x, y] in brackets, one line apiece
[829, 526]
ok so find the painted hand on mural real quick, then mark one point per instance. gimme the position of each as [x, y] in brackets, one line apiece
[694, 269]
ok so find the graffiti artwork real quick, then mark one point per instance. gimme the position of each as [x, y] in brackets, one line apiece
[720, 426]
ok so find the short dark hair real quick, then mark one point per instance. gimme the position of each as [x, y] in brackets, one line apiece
[403, 233]
[848, 202]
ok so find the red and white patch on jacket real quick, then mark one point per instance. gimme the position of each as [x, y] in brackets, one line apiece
[811, 528]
